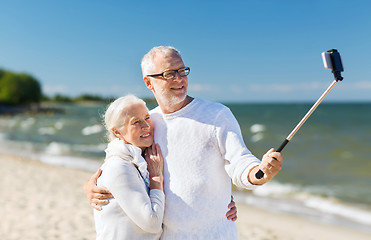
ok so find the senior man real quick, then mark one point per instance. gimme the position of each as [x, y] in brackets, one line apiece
[203, 149]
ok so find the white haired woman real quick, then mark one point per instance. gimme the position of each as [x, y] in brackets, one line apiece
[137, 209]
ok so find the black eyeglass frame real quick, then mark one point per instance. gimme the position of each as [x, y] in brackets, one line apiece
[186, 69]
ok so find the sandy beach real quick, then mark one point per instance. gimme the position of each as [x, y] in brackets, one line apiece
[40, 201]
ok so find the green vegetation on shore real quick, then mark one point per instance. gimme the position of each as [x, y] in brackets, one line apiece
[18, 88]
[22, 89]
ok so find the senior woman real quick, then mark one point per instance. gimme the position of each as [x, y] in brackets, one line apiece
[137, 209]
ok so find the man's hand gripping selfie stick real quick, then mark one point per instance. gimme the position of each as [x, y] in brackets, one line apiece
[332, 61]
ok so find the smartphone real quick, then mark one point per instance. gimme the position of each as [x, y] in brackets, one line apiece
[332, 60]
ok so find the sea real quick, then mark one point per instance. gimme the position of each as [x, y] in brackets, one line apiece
[326, 175]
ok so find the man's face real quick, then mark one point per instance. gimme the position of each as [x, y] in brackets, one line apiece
[173, 91]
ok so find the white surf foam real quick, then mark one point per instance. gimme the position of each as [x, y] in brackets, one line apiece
[89, 130]
[295, 199]
[255, 128]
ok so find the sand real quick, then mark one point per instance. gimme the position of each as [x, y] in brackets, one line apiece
[40, 201]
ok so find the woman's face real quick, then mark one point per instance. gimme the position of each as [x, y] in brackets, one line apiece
[138, 127]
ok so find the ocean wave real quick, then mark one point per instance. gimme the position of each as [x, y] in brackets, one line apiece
[54, 154]
[257, 137]
[55, 148]
[52, 129]
[256, 128]
[275, 189]
[89, 130]
[26, 124]
[46, 131]
[96, 148]
[335, 207]
[71, 162]
[2, 136]
[296, 199]
[59, 125]
[8, 123]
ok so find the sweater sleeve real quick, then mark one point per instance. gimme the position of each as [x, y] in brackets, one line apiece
[122, 179]
[238, 159]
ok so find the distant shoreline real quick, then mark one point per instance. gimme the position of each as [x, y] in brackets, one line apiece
[52, 107]
[32, 109]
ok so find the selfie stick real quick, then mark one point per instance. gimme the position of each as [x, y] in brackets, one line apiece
[332, 61]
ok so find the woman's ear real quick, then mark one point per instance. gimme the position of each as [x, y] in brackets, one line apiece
[148, 83]
[116, 132]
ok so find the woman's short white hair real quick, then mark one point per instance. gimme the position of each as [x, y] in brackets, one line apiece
[148, 67]
[115, 115]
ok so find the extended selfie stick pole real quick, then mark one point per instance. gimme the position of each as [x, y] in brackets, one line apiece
[331, 60]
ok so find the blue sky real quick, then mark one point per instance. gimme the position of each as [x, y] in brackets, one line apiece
[251, 51]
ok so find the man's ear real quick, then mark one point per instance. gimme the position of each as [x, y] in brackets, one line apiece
[148, 83]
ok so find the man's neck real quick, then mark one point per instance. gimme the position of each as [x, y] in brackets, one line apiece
[166, 108]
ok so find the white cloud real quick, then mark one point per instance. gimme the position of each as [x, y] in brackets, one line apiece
[364, 85]
[118, 90]
[102, 90]
[284, 87]
[54, 89]
[237, 89]
[202, 87]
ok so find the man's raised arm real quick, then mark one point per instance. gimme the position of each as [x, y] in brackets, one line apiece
[271, 164]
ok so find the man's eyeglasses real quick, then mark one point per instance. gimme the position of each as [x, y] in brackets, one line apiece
[171, 74]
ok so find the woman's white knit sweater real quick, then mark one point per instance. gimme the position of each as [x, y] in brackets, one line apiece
[133, 213]
[203, 150]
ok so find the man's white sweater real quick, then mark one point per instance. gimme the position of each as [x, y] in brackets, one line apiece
[203, 150]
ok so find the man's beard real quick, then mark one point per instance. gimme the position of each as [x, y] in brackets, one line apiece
[172, 99]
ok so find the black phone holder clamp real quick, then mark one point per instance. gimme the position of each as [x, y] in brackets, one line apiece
[332, 61]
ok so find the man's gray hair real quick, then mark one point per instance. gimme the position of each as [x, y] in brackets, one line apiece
[148, 67]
